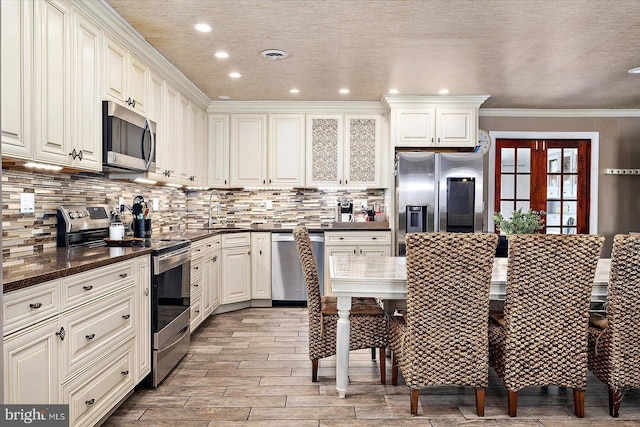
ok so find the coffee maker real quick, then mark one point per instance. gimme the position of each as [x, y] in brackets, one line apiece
[345, 211]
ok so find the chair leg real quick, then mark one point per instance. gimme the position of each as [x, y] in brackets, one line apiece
[614, 402]
[383, 365]
[480, 401]
[314, 370]
[394, 369]
[578, 403]
[415, 393]
[512, 402]
[373, 353]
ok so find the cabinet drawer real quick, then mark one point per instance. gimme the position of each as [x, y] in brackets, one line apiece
[94, 393]
[196, 313]
[357, 237]
[235, 240]
[95, 329]
[91, 284]
[196, 287]
[213, 243]
[197, 248]
[197, 266]
[26, 307]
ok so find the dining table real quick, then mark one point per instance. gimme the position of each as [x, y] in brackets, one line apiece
[385, 277]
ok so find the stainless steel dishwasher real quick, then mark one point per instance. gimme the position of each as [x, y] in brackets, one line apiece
[288, 286]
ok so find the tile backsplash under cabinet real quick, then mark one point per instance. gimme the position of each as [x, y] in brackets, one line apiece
[32, 233]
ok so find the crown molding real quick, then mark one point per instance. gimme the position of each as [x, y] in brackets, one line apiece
[121, 31]
[323, 107]
[517, 112]
[418, 101]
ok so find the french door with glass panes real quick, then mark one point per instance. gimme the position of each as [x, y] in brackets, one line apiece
[545, 175]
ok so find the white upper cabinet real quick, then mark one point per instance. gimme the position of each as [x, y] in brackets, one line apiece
[431, 121]
[16, 49]
[169, 144]
[343, 151]
[156, 113]
[183, 141]
[127, 77]
[286, 150]
[248, 150]
[218, 150]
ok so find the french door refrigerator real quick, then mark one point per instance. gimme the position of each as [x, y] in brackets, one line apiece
[438, 191]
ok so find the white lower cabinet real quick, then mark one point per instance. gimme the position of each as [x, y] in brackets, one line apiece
[31, 365]
[213, 276]
[205, 279]
[91, 351]
[261, 265]
[236, 268]
[353, 243]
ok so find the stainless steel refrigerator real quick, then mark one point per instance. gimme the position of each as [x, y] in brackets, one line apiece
[438, 191]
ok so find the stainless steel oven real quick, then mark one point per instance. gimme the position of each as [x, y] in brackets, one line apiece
[170, 308]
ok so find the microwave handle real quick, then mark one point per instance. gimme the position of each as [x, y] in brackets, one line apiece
[147, 161]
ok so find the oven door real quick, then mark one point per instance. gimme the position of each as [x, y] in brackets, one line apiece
[171, 294]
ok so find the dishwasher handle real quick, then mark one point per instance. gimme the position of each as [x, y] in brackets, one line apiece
[288, 237]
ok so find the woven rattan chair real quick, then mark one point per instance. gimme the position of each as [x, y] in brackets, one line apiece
[369, 324]
[542, 338]
[443, 340]
[614, 341]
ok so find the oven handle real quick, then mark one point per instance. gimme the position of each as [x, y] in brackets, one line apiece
[181, 333]
[170, 260]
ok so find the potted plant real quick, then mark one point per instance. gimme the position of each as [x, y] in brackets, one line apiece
[519, 223]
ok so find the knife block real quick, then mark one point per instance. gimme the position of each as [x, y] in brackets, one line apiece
[142, 228]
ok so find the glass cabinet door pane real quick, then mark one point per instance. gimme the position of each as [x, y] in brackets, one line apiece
[523, 190]
[570, 187]
[507, 160]
[525, 205]
[506, 209]
[553, 186]
[507, 189]
[553, 213]
[554, 160]
[570, 209]
[524, 160]
[570, 160]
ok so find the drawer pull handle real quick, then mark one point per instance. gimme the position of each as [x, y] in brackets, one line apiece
[340, 238]
[373, 238]
[126, 316]
[215, 258]
[354, 251]
[123, 275]
[87, 288]
[195, 285]
[249, 253]
[90, 336]
[125, 372]
[198, 250]
[209, 245]
[197, 311]
[61, 334]
[36, 305]
[196, 268]
[90, 402]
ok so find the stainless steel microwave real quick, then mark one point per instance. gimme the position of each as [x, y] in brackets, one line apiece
[128, 139]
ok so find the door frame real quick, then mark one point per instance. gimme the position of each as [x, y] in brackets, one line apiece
[595, 149]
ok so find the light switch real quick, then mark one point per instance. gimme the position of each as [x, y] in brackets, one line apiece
[27, 203]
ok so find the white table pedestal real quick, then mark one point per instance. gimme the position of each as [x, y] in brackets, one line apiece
[342, 346]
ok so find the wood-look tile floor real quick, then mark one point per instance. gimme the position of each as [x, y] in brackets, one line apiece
[251, 368]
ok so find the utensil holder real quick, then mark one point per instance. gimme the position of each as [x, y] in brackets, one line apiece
[142, 228]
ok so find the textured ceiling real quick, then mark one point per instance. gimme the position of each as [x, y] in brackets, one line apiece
[524, 53]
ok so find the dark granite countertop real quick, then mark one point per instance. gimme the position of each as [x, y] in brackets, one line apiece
[21, 271]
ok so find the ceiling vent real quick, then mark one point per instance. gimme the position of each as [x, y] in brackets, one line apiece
[274, 54]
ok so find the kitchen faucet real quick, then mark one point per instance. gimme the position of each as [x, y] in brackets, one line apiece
[218, 207]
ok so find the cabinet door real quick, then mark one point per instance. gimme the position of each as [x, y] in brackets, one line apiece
[138, 77]
[31, 365]
[115, 70]
[52, 67]
[362, 151]
[200, 129]
[170, 141]
[261, 265]
[87, 108]
[286, 150]
[218, 150]
[143, 321]
[236, 275]
[248, 150]
[215, 279]
[346, 250]
[16, 34]
[456, 127]
[324, 151]
[415, 127]
[374, 250]
[156, 114]
[183, 144]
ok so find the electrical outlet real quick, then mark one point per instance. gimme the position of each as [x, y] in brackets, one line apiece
[27, 203]
[121, 204]
[268, 204]
[155, 204]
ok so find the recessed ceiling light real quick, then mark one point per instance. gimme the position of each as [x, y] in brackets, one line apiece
[235, 75]
[344, 91]
[634, 70]
[294, 90]
[221, 54]
[273, 54]
[224, 97]
[203, 28]
[393, 91]
[443, 91]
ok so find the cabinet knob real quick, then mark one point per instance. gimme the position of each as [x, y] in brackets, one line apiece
[264, 181]
[133, 104]
[249, 252]
[90, 402]
[196, 268]
[432, 140]
[87, 288]
[260, 251]
[36, 305]
[354, 251]
[61, 334]
[346, 182]
[195, 285]
[80, 155]
[90, 336]
[73, 154]
[360, 251]
[197, 311]
[373, 238]
[146, 292]
[225, 182]
[215, 258]
[438, 140]
[128, 101]
[269, 180]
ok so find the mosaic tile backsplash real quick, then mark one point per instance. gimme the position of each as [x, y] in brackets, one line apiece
[29, 233]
